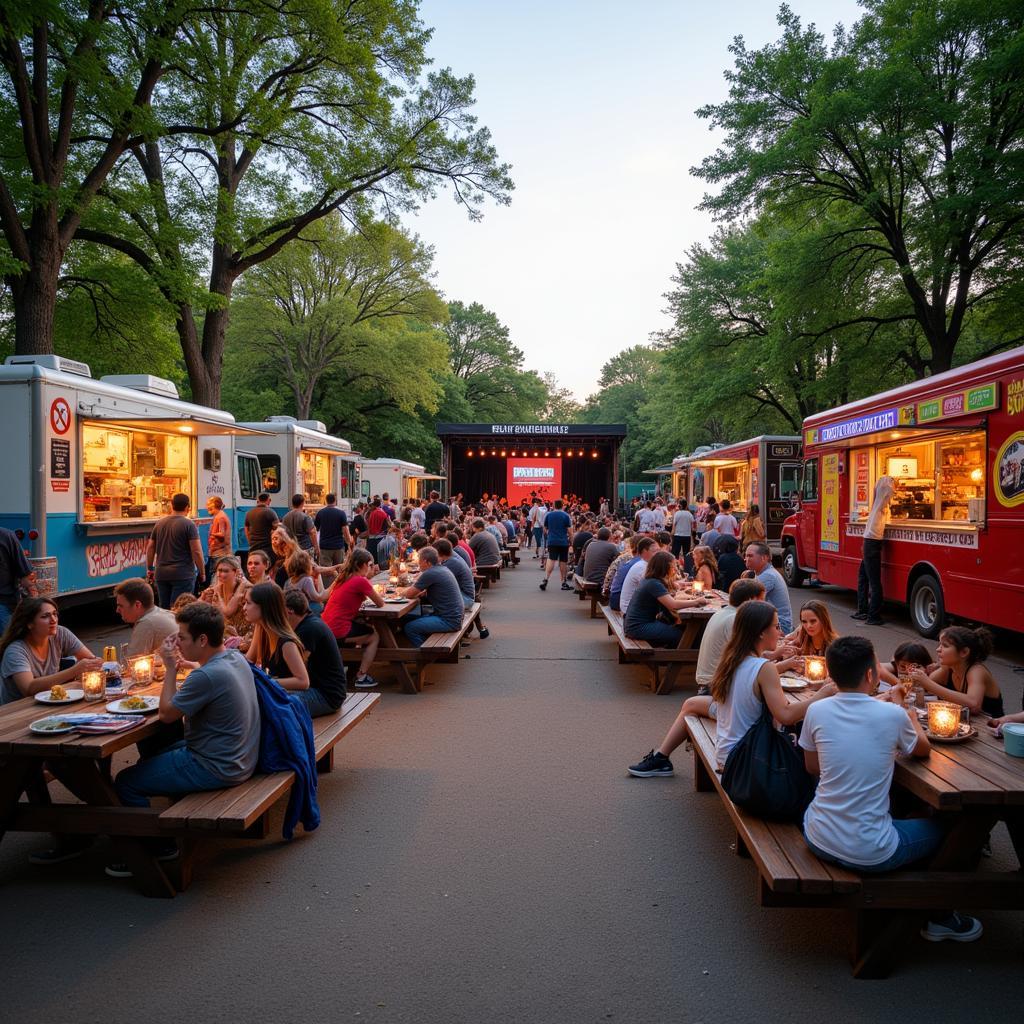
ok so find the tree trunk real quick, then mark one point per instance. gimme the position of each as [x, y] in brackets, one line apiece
[34, 291]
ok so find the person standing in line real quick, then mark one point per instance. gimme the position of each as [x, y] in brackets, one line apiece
[869, 576]
[260, 522]
[418, 516]
[15, 575]
[218, 545]
[538, 513]
[558, 532]
[435, 511]
[725, 522]
[377, 526]
[682, 531]
[174, 548]
[358, 528]
[752, 529]
[332, 527]
[299, 523]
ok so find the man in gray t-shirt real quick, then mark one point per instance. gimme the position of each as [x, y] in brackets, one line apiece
[175, 550]
[758, 557]
[221, 711]
[441, 589]
[484, 546]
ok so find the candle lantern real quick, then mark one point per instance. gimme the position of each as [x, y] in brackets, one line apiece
[814, 668]
[393, 580]
[943, 718]
[402, 567]
[94, 684]
[142, 671]
[698, 587]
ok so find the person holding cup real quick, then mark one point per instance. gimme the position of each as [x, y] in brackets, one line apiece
[31, 650]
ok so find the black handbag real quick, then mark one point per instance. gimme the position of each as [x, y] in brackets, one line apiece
[765, 774]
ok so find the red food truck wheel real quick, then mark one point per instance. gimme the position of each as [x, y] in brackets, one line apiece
[927, 607]
[790, 567]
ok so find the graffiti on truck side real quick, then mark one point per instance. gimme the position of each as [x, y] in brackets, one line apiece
[115, 556]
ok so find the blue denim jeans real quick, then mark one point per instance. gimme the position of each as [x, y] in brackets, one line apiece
[168, 591]
[418, 628]
[5, 616]
[661, 634]
[919, 837]
[175, 772]
[316, 703]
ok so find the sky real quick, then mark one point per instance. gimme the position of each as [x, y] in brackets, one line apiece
[593, 105]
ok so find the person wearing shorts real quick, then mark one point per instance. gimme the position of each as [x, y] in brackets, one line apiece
[558, 528]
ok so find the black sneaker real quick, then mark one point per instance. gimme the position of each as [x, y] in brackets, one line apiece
[655, 763]
[859, 615]
[484, 634]
[121, 870]
[874, 621]
[65, 851]
[567, 586]
[366, 683]
[543, 584]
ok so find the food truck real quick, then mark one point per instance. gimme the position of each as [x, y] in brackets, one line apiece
[954, 444]
[300, 457]
[762, 470]
[90, 465]
[399, 480]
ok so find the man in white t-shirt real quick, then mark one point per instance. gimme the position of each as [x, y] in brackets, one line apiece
[725, 522]
[645, 519]
[658, 516]
[851, 741]
[538, 513]
[682, 531]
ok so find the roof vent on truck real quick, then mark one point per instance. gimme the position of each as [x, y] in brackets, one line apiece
[61, 363]
[308, 424]
[143, 382]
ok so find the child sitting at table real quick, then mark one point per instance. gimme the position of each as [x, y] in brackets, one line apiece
[852, 742]
[908, 658]
[961, 676]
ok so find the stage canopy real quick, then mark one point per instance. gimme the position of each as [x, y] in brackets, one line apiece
[518, 460]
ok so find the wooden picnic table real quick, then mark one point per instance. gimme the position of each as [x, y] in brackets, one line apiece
[384, 620]
[694, 621]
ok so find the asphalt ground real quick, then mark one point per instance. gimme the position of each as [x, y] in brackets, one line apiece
[484, 857]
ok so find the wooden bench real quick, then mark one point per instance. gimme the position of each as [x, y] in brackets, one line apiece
[789, 875]
[588, 590]
[641, 652]
[438, 647]
[513, 550]
[490, 573]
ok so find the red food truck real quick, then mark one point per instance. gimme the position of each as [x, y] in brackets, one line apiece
[954, 444]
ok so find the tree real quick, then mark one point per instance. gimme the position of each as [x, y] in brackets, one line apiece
[911, 128]
[284, 115]
[560, 406]
[318, 306]
[75, 93]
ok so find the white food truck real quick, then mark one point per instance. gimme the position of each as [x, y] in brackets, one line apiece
[398, 479]
[90, 465]
[300, 457]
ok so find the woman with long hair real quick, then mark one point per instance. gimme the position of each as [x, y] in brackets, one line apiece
[706, 566]
[811, 637]
[258, 566]
[300, 577]
[350, 590]
[31, 650]
[650, 613]
[752, 528]
[274, 647]
[746, 680]
[962, 676]
[227, 593]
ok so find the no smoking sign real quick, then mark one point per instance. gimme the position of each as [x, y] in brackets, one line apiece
[60, 416]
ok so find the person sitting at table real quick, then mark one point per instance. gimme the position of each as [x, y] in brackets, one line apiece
[730, 566]
[392, 545]
[462, 572]
[626, 558]
[300, 577]
[258, 566]
[746, 680]
[228, 594]
[274, 646]
[284, 546]
[458, 539]
[350, 590]
[653, 603]
[705, 567]
[906, 659]
[437, 584]
[326, 690]
[852, 742]
[962, 676]
[484, 545]
[31, 650]
[222, 720]
[811, 637]
[151, 625]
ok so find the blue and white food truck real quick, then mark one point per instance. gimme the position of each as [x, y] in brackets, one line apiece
[399, 480]
[90, 465]
[300, 457]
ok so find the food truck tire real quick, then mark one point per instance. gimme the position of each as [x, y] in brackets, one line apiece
[927, 607]
[791, 567]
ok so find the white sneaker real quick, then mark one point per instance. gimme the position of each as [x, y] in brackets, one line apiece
[957, 927]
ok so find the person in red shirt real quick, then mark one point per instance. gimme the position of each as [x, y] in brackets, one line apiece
[377, 525]
[352, 587]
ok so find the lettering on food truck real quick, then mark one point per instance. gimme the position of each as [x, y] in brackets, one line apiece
[60, 464]
[912, 535]
[1015, 397]
[115, 556]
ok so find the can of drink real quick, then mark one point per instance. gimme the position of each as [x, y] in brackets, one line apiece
[110, 653]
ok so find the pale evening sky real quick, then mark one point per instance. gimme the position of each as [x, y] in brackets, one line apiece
[593, 104]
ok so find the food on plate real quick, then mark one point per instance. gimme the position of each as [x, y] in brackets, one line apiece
[58, 692]
[134, 704]
[52, 725]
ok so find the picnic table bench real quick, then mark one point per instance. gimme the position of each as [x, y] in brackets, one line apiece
[674, 662]
[410, 663]
[490, 573]
[512, 548]
[240, 811]
[883, 908]
[586, 589]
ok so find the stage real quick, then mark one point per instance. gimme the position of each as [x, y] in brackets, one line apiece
[518, 460]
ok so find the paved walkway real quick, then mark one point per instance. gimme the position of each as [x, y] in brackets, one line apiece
[484, 858]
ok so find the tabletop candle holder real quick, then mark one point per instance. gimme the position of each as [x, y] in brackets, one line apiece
[402, 567]
[393, 580]
[814, 668]
[943, 718]
[698, 587]
[142, 671]
[94, 684]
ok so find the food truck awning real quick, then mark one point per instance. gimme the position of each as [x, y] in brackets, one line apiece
[196, 425]
[426, 476]
[318, 450]
[658, 470]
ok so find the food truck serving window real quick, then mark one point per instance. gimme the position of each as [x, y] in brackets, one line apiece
[132, 474]
[270, 467]
[731, 485]
[939, 479]
[316, 476]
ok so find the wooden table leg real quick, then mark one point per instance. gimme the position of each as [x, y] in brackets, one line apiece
[876, 937]
[693, 632]
[15, 776]
[389, 641]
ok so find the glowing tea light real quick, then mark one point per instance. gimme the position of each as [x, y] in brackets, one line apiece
[402, 567]
[698, 587]
[814, 668]
[93, 684]
[143, 671]
[392, 580]
[943, 718]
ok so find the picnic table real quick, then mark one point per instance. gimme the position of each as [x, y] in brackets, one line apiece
[975, 782]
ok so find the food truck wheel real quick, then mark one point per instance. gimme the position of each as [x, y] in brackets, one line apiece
[790, 567]
[927, 608]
